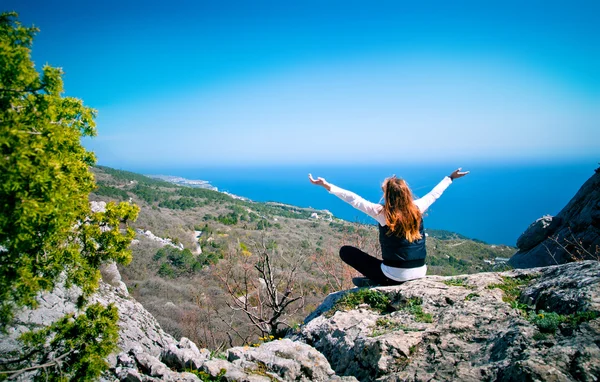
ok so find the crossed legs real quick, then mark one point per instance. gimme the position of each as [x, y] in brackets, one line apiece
[366, 264]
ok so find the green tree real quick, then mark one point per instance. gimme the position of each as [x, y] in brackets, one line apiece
[48, 234]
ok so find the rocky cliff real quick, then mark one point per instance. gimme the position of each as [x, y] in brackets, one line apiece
[573, 234]
[537, 324]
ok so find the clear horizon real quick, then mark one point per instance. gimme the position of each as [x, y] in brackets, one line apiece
[233, 84]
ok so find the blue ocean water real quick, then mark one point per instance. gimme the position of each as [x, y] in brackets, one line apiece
[494, 203]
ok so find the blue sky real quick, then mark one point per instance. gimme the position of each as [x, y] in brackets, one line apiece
[194, 83]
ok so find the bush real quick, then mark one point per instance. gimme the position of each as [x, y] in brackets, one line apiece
[546, 322]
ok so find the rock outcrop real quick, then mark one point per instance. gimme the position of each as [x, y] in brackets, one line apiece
[147, 353]
[573, 234]
[469, 328]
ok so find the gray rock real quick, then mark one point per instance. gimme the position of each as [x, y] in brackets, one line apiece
[125, 360]
[110, 275]
[473, 334]
[291, 361]
[151, 365]
[537, 232]
[98, 206]
[220, 367]
[137, 327]
[127, 374]
[184, 355]
[575, 232]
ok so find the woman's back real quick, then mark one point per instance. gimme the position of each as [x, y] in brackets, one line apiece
[401, 230]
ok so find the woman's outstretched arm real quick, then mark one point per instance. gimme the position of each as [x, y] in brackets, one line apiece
[426, 201]
[369, 208]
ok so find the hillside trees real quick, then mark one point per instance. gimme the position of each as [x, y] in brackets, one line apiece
[48, 234]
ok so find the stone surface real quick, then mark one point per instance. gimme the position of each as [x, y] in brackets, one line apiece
[575, 232]
[474, 335]
[111, 275]
[184, 356]
[291, 361]
[537, 232]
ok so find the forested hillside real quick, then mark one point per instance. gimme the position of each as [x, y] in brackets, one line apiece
[220, 246]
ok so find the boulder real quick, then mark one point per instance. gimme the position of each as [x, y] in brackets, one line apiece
[574, 234]
[291, 361]
[111, 275]
[537, 232]
[184, 356]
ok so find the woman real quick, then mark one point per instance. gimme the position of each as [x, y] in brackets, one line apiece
[401, 232]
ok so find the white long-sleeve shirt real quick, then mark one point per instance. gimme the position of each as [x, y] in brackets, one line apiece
[375, 210]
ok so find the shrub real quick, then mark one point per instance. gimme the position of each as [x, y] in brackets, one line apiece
[377, 300]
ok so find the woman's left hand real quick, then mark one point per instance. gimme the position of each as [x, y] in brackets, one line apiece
[458, 173]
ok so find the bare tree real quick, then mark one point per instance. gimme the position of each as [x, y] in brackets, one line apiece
[264, 286]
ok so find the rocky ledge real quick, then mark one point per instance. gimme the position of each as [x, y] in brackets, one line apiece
[525, 325]
[539, 324]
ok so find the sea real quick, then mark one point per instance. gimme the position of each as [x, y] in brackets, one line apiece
[494, 203]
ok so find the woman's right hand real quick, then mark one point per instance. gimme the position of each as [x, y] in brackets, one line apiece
[319, 182]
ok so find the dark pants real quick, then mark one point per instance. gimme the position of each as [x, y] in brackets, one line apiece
[366, 264]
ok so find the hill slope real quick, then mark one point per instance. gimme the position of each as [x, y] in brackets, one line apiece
[222, 236]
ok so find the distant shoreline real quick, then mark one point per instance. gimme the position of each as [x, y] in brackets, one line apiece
[194, 183]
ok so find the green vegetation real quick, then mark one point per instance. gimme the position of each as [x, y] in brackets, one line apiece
[229, 219]
[380, 302]
[84, 341]
[179, 204]
[384, 325]
[149, 194]
[175, 262]
[471, 296]
[176, 197]
[127, 176]
[414, 306]
[512, 286]
[111, 192]
[546, 322]
[48, 234]
[450, 257]
[377, 300]
[448, 235]
[205, 377]
[458, 282]
[445, 235]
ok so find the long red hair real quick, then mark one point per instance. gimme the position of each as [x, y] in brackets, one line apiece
[402, 216]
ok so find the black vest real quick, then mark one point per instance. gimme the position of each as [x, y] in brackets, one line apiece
[400, 253]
